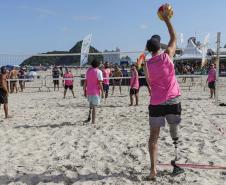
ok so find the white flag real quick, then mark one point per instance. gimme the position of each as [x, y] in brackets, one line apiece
[181, 39]
[85, 49]
[204, 48]
[206, 39]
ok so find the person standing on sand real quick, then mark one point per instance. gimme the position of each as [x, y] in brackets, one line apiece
[106, 74]
[13, 80]
[164, 92]
[21, 76]
[93, 89]
[68, 82]
[134, 85]
[4, 91]
[211, 80]
[56, 76]
[118, 81]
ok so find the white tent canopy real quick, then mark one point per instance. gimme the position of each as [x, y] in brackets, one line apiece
[190, 52]
[222, 51]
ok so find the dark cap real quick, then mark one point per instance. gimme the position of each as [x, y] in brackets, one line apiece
[153, 45]
[156, 37]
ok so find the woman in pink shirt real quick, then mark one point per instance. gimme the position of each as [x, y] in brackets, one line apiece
[211, 80]
[68, 82]
[134, 85]
[93, 89]
[164, 92]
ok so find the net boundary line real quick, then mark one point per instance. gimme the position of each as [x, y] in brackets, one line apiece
[110, 78]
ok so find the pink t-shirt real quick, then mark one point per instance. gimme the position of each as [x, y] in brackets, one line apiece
[106, 75]
[162, 79]
[68, 82]
[212, 75]
[93, 76]
[134, 81]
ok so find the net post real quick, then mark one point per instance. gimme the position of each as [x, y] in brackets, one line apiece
[217, 67]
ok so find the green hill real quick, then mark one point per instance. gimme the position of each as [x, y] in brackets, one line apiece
[62, 60]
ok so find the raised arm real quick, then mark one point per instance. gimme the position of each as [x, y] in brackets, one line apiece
[172, 45]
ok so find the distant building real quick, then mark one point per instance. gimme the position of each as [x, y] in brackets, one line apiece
[222, 65]
[112, 57]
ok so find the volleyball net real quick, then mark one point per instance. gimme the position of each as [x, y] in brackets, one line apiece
[38, 69]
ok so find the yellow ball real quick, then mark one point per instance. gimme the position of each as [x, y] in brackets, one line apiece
[166, 9]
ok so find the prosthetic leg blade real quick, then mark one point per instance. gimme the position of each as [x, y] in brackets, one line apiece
[176, 169]
[88, 120]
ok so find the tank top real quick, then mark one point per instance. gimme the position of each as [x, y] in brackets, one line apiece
[162, 79]
[70, 81]
[92, 81]
[134, 81]
[106, 75]
[211, 75]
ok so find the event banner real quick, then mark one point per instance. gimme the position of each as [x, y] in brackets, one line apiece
[85, 49]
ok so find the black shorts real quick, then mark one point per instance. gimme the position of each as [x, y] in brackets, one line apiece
[12, 82]
[133, 91]
[56, 82]
[211, 85]
[68, 86]
[142, 82]
[106, 88]
[3, 97]
[117, 82]
[163, 110]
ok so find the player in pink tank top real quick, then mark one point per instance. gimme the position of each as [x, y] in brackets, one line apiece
[106, 74]
[211, 80]
[164, 92]
[93, 89]
[68, 82]
[162, 79]
[134, 85]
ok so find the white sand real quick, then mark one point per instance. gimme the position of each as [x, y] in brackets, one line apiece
[46, 142]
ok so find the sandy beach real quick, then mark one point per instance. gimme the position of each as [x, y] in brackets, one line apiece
[46, 142]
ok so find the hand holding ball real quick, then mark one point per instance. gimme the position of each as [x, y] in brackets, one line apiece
[165, 11]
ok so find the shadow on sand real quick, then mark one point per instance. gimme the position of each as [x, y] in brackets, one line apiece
[48, 125]
[34, 179]
[219, 114]
[111, 106]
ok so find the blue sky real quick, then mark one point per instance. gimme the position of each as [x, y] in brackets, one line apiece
[33, 26]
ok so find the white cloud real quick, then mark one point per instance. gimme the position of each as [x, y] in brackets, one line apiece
[66, 29]
[86, 18]
[143, 26]
[45, 12]
[41, 12]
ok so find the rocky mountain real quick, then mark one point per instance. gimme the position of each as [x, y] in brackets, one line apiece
[62, 60]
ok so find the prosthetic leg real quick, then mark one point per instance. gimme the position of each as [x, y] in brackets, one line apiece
[176, 169]
[174, 134]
